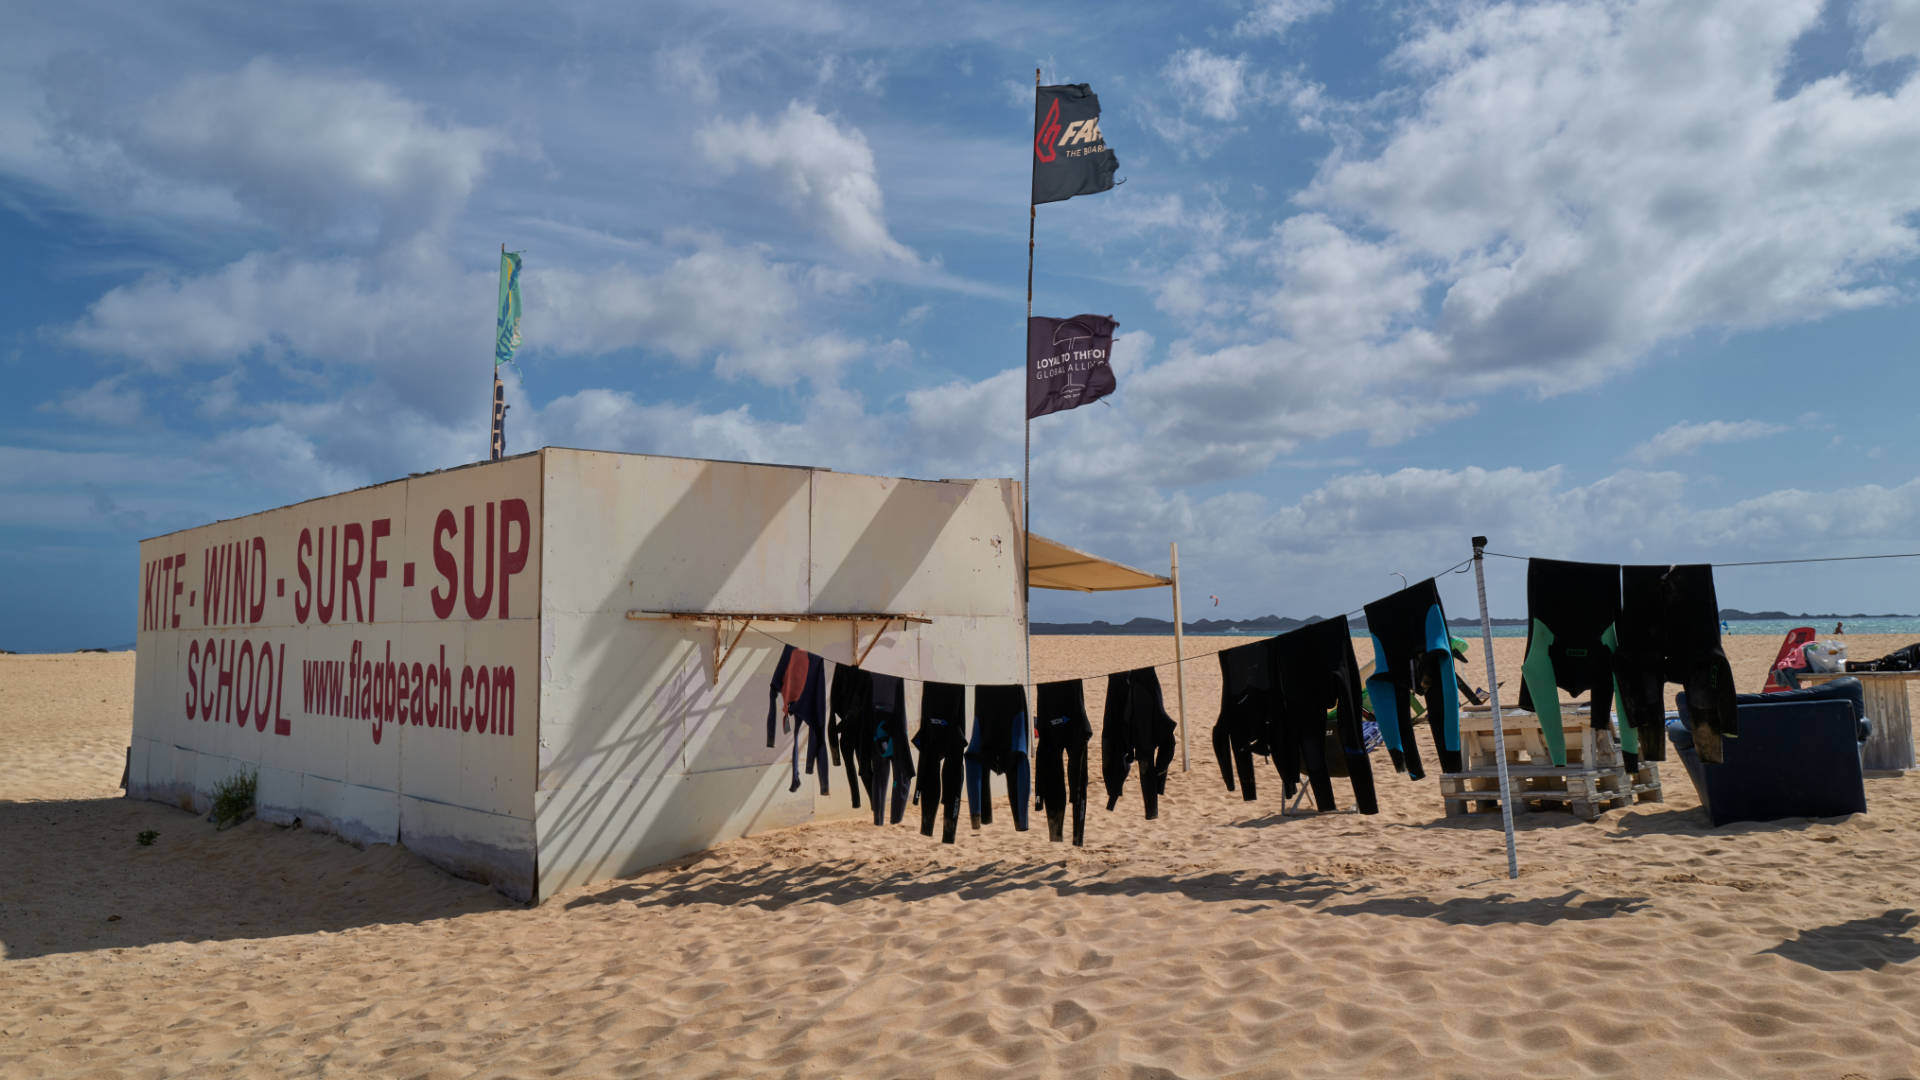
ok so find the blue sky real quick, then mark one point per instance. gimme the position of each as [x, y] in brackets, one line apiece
[1613, 281]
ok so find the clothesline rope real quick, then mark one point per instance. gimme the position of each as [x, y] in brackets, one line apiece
[1763, 562]
[1456, 568]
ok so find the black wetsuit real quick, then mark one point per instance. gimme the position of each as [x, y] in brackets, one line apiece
[892, 754]
[848, 735]
[1317, 671]
[1413, 654]
[998, 745]
[1247, 710]
[1571, 611]
[1669, 631]
[1060, 766]
[942, 742]
[1135, 727]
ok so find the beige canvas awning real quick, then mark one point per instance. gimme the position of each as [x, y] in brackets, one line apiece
[1053, 565]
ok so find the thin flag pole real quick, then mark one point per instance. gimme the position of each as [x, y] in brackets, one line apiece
[1026, 452]
[497, 441]
[1493, 696]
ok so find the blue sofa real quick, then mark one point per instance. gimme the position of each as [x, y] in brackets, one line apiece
[1797, 755]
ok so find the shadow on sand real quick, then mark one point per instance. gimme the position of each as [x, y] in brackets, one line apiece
[83, 882]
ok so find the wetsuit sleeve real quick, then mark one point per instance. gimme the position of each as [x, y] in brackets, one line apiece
[773, 688]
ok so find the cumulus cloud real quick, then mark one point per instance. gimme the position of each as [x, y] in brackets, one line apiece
[1212, 85]
[1595, 178]
[110, 402]
[1686, 437]
[309, 150]
[824, 170]
[1892, 29]
[1276, 17]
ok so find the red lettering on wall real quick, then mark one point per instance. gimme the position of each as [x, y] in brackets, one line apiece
[327, 589]
[513, 556]
[303, 595]
[355, 539]
[193, 681]
[443, 525]
[478, 604]
[376, 566]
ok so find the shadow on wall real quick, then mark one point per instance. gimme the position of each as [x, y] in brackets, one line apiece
[88, 884]
[660, 762]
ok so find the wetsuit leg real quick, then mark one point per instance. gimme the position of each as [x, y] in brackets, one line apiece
[1116, 745]
[979, 800]
[1077, 784]
[1443, 695]
[1162, 740]
[1245, 699]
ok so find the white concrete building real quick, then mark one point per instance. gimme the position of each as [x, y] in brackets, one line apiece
[514, 668]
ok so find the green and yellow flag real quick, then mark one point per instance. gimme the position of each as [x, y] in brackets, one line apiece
[507, 336]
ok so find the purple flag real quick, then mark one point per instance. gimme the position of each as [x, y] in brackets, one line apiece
[1067, 362]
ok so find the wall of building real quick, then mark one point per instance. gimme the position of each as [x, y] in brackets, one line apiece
[641, 757]
[373, 656]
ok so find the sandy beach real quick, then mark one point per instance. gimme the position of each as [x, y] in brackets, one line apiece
[1225, 939]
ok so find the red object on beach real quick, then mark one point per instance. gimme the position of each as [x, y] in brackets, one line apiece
[1789, 657]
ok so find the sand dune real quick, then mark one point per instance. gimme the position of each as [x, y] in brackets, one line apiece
[1225, 939]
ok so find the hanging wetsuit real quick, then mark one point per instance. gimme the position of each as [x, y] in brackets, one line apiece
[1061, 765]
[1316, 671]
[1413, 654]
[998, 745]
[1247, 708]
[847, 733]
[800, 678]
[892, 753]
[1670, 632]
[942, 743]
[1135, 727]
[1571, 611]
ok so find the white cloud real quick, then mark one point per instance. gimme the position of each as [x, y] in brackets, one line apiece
[109, 401]
[1276, 17]
[1595, 178]
[1686, 437]
[311, 150]
[823, 170]
[1212, 85]
[1892, 28]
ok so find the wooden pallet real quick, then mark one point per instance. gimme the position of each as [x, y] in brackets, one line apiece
[1594, 779]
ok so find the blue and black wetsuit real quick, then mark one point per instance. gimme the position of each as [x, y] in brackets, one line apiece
[1135, 727]
[1669, 631]
[892, 753]
[1061, 764]
[999, 745]
[1247, 711]
[1316, 671]
[1572, 609]
[942, 742]
[1413, 654]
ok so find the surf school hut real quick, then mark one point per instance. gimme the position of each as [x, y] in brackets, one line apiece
[552, 669]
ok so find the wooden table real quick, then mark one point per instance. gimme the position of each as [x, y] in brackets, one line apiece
[1890, 749]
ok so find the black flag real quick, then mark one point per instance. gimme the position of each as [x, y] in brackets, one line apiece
[1070, 156]
[1067, 362]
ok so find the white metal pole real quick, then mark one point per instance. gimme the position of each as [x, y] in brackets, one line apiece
[1493, 697]
[1179, 661]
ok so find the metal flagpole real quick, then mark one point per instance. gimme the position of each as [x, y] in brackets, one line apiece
[1493, 696]
[497, 442]
[1026, 453]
